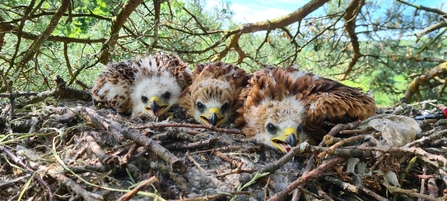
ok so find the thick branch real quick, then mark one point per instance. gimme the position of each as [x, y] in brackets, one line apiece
[354, 8]
[277, 23]
[114, 127]
[430, 29]
[414, 85]
[286, 20]
[433, 10]
[39, 42]
[117, 24]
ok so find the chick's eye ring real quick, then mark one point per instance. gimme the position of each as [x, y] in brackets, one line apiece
[200, 106]
[271, 128]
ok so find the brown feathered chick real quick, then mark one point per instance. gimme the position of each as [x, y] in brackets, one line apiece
[213, 95]
[146, 86]
[284, 107]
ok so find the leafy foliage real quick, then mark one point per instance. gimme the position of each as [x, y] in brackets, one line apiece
[389, 54]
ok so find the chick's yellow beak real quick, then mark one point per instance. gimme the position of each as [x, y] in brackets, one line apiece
[286, 140]
[212, 117]
[156, 107]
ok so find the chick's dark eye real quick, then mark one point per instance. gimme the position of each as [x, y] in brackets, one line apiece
[224, 107]
[144, 99]
[299, 128]
[166, 95]
[200, 106]
[271, 128]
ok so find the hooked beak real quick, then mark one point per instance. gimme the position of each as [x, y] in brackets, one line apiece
[213, 117]
[156, 107]
[286, 140]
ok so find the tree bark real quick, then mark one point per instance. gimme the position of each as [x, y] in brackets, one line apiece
[413, 87]
[39, 42]
[117, 24]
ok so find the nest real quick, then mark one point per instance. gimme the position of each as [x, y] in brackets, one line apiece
[57, 150]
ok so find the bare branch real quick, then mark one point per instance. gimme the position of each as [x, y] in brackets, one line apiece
[117, 24]
[433, 10]
[413, 87]
[353, 10]
[277, 23]
[430, 29]
[53, 23]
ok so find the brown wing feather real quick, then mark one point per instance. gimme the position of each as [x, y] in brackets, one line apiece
[332, 102]
[326, 101]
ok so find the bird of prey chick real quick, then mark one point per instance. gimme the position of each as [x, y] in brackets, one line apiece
[213, 96]
[286, 106]
[146, 86]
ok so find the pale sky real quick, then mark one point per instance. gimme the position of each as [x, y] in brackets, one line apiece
[247, 11]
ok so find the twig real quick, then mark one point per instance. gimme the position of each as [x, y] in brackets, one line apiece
[177, 165]
[104, 158]
[342, 184]
[57, 173]
[372, 193]
[130, 153]
[140, 187]
[339, 144]
[271, 168]
[355, 132]
[194, 162]
[302, 148]
[433, 10]
[339, 127]
[425, 140]
[36, 176]
[224, 157]
[353, 188]
[194, 145]
[304, 178]
[237, 170]
[17, 94]
[408, 192]
[186, 125]
[323, 194]
[214, 197]
[415, 150]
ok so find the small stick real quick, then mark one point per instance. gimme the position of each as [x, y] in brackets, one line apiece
[104, 158]
[194, 162]
[426, 139]
[323, 194]
[36, 176]
[230, 148]
[304, 178]
[56, 173]
[355, 132]
[339, 127]
[193, 145]
[186, 125]
[177, 165]
[372, 193]
[238, 170]
[341, 143]
[224, 157]
[130, 153]
[215, 196]
[342, 184]
[408, 192]
[140, 187]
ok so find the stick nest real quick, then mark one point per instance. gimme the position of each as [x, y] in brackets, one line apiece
[56, 150]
